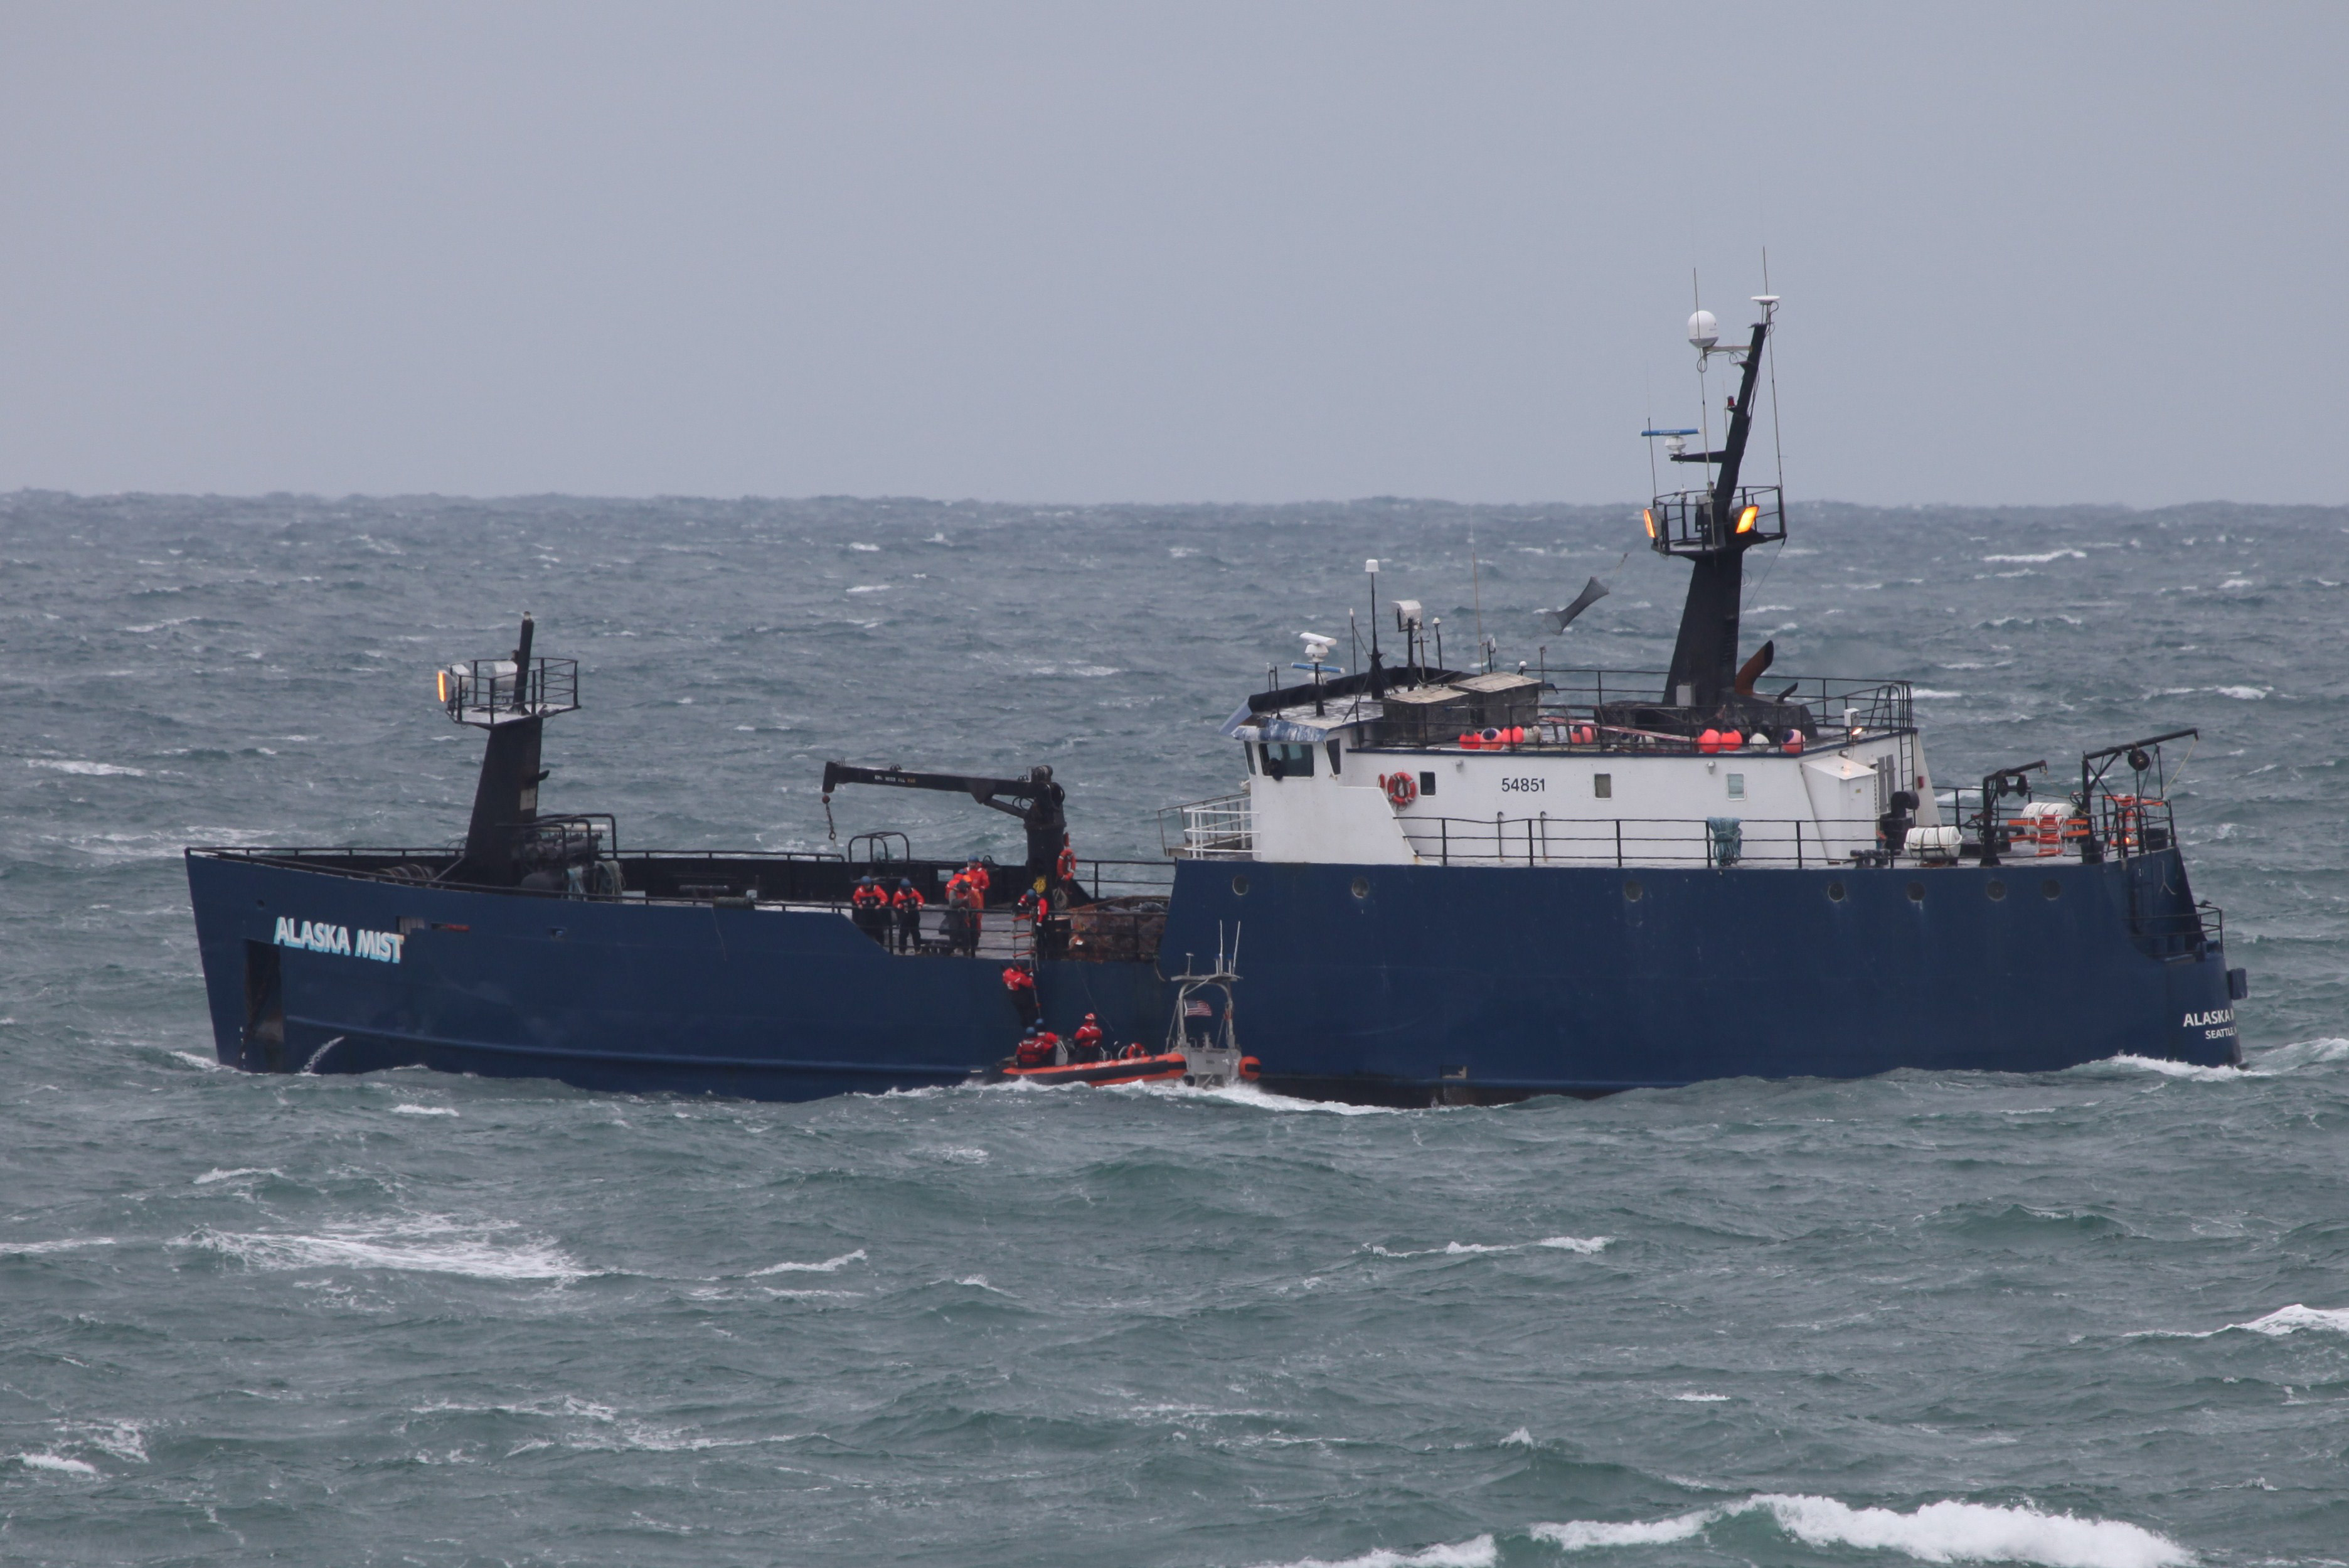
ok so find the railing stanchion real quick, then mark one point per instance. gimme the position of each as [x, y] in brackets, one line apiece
[1618, 843]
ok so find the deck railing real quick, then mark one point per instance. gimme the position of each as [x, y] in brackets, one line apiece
[1222, 828]
[1719, 841]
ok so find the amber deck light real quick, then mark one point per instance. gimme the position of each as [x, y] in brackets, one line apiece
[1648, 516]
[1747, 518]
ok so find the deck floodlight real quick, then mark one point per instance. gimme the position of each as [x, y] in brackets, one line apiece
[1408, 614]
[1747, 518]
[1648, 516]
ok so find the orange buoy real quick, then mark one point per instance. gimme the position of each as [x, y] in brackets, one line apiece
[1468, 742]
[1709, 741]
[1793, 742]
[1731, 740]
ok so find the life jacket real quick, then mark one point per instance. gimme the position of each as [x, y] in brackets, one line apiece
[979, 879]
[869, 895]
[1018, 979]
[1038, 905]
[1034, 1053]
[1087, 1034]
[908, 899]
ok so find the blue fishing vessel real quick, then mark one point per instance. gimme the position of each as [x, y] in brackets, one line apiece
[1457, 885]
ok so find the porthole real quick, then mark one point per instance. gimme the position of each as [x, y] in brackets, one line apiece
[2051, 888]
[1834, 892]
[1239, 886]
[1995, 889]
[1632, 892]
[1361, 887]
[1916, 892]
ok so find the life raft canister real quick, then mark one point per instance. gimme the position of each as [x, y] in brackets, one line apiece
[1402, 789]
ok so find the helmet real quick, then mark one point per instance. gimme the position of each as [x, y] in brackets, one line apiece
[1090, 1019]
[906, 882]
[867, 877]
[1032, 1029]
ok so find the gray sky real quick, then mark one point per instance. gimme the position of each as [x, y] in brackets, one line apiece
[1093, 252]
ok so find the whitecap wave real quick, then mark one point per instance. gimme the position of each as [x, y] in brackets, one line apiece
[406, 1110]
[1945, 1532]
[1479, 1553]
[2303, 1053]
[56, 1463]
[2275, 1325]
[830, 1265]
[1249, 1094]
[67, 1244]
[209, 1177]
[429, 1245]
[94, 770]
[2039, 560]
[1471, 1249]
[1577, 1534]
[2168, 1069]
[2241, 693]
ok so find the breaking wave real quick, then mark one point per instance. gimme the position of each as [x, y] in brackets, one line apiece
[830, 1265]
[1945, 1531]
[1479, 1553]
[424, 1245]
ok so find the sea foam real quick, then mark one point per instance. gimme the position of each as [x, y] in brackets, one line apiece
[1945, 1532]
[423, 1245]
[1479, 1553]
[828, 1266]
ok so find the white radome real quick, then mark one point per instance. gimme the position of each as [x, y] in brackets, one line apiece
[1703, 330]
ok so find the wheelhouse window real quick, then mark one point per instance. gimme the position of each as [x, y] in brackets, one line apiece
[1288, 759]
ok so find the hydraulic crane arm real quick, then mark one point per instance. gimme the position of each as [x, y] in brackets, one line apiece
[985, 791]
[1035, 800]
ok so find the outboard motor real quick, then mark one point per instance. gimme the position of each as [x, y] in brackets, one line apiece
[1893, 825]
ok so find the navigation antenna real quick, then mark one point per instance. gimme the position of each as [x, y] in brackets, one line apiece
[1476, 590]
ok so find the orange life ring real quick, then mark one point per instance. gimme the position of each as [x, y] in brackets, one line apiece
[1402, 789]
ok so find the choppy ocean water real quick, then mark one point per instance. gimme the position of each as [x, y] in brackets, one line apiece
[2099, 1318]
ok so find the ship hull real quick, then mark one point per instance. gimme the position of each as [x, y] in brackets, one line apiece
[1380, 984]
[1407, 984]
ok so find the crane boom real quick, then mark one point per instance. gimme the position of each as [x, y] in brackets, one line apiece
[1038, 801]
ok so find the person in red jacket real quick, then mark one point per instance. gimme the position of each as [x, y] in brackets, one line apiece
[1086, 1042]
[1022, 986]
[906, 903]
[1032, 1052]
[963, 914]
[868, 907]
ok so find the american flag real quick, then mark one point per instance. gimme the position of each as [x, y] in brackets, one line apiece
[1198, 1010]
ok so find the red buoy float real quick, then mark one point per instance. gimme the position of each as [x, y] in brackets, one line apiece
[1709, 743]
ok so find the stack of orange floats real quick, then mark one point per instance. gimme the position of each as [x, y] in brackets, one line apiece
[1492, 739]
